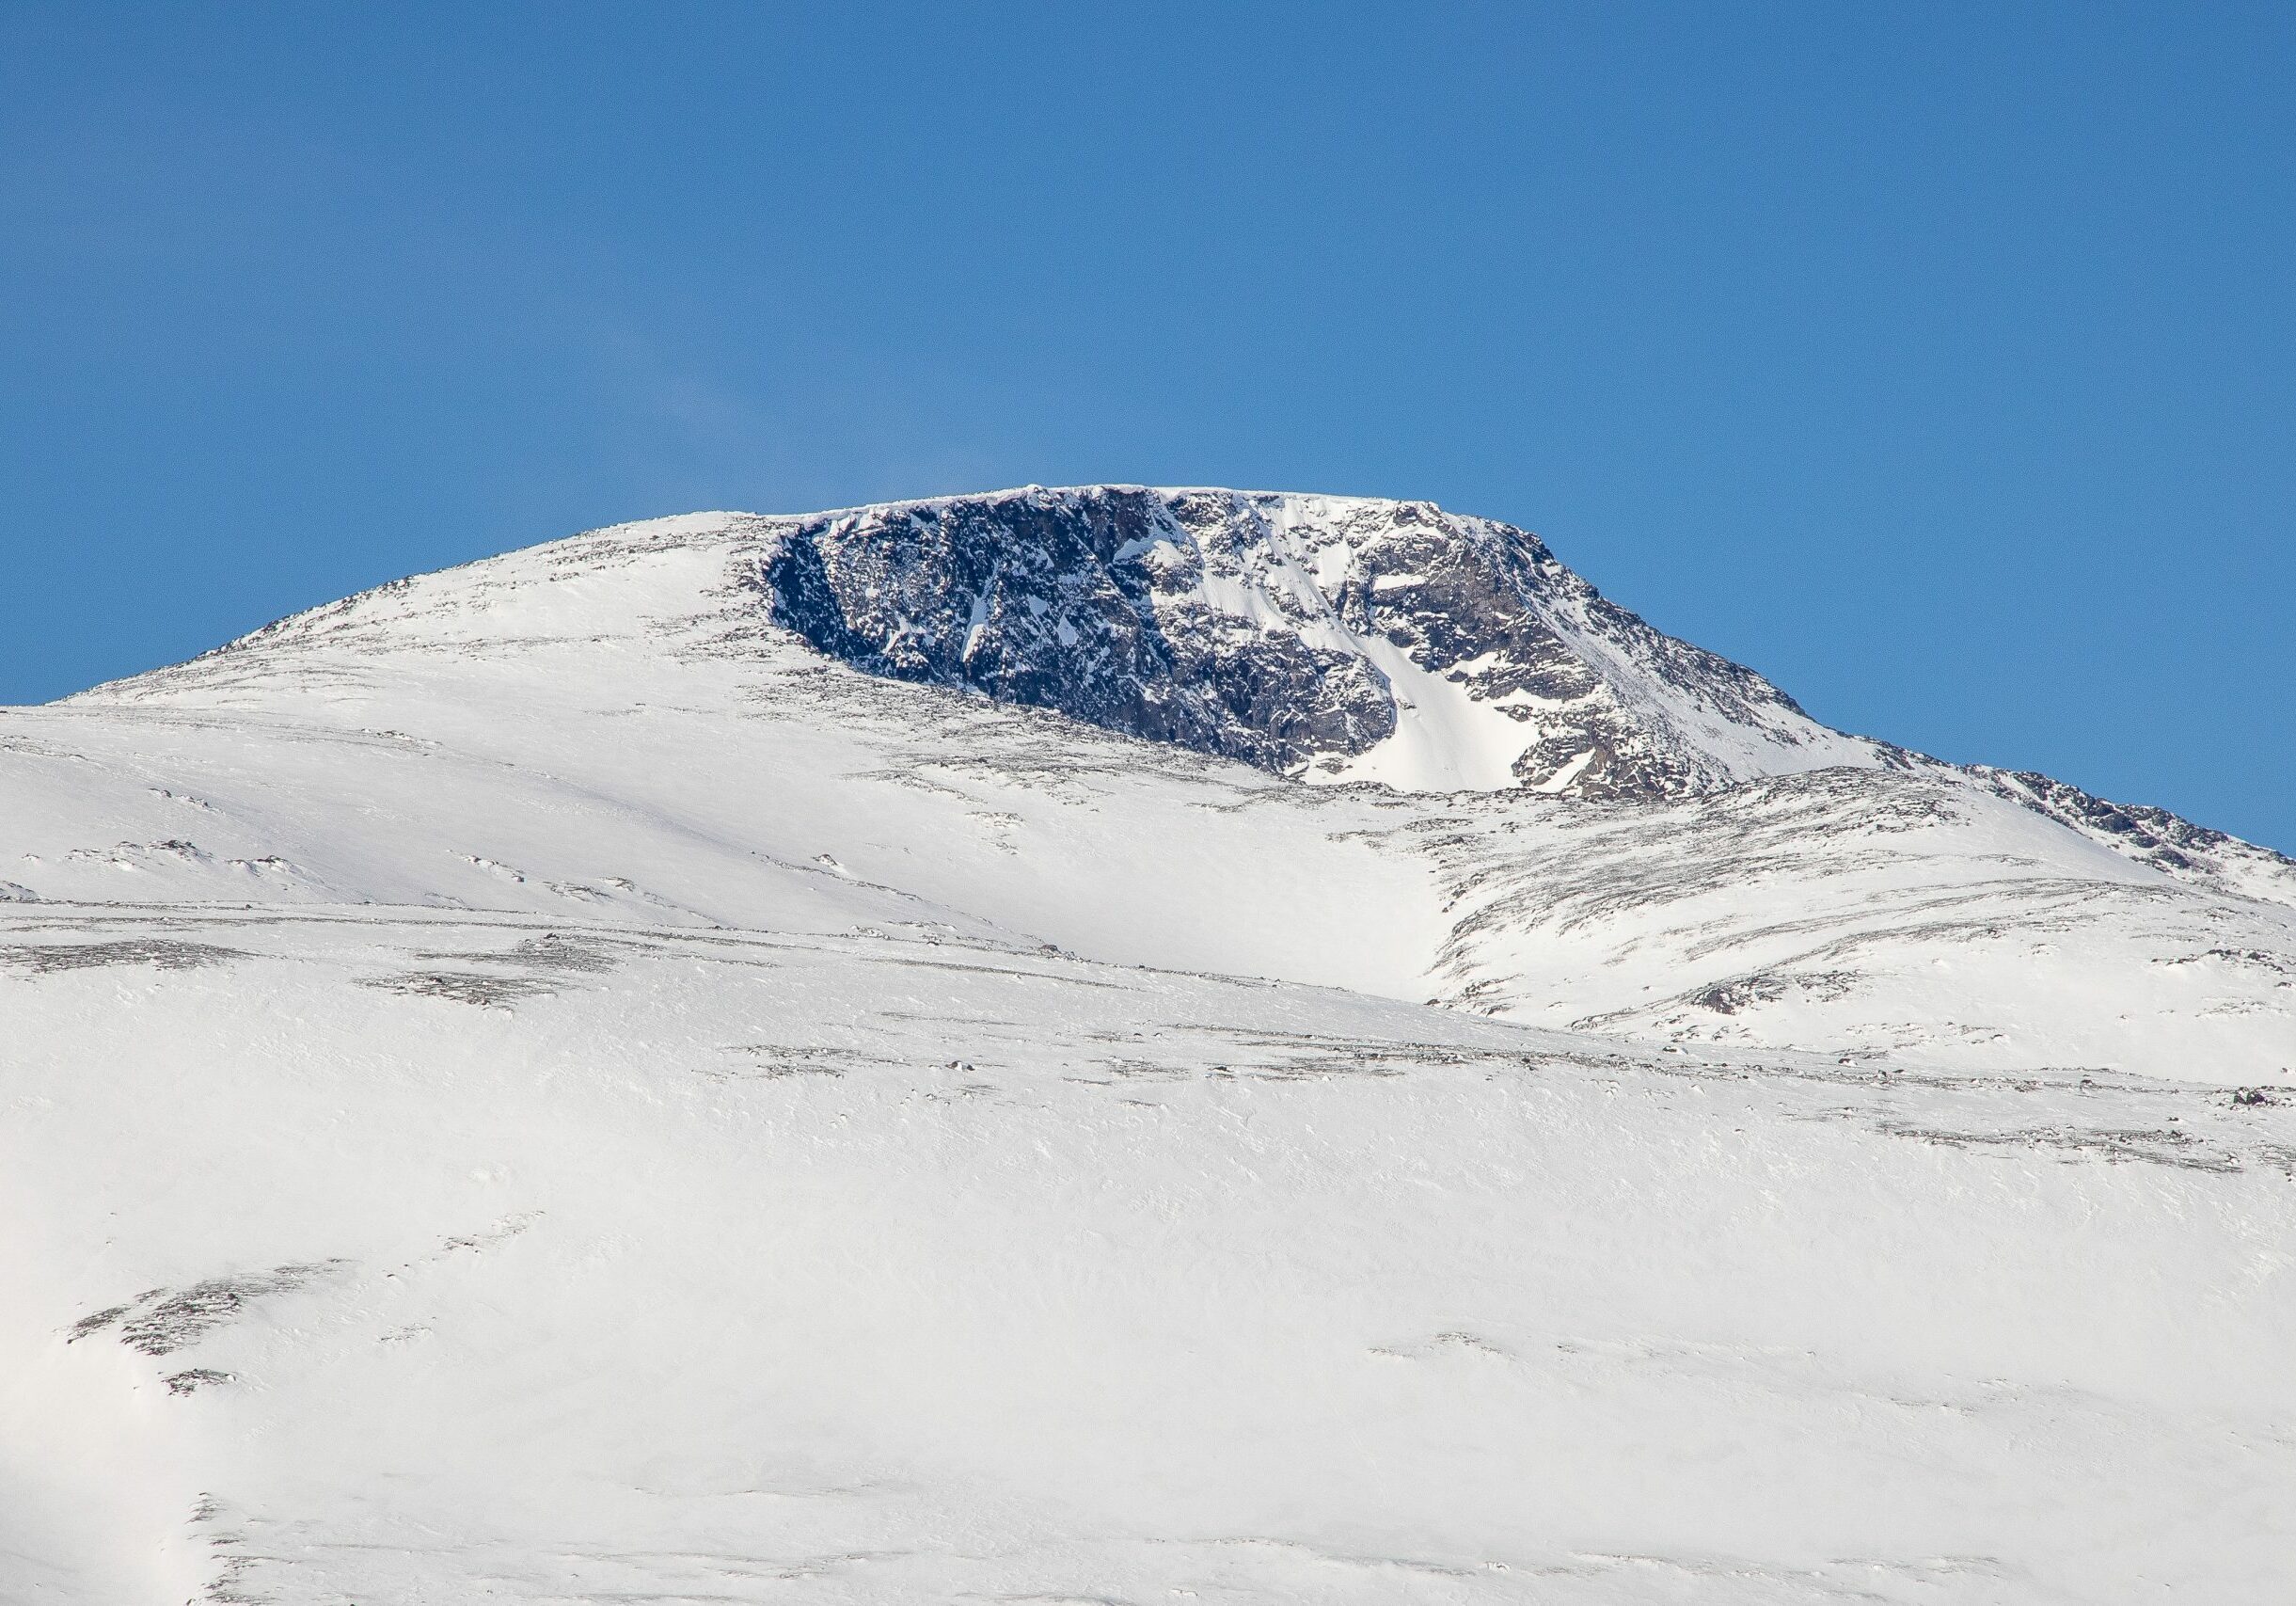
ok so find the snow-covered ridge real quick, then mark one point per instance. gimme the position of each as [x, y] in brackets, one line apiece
[1329, 638]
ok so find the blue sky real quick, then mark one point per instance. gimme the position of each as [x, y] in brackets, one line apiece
[1937, 360]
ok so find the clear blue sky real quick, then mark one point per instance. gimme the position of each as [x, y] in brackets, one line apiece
[1937, 360]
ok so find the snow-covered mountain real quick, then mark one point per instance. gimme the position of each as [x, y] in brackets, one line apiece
[836, 1058]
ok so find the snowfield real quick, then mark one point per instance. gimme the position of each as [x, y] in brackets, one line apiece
[543, 1084]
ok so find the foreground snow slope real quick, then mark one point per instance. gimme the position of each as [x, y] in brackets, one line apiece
[454, 1256]
[537, 1085]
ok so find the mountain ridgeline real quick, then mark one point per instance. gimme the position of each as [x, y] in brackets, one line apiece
[1344, 639]
[1324, 638]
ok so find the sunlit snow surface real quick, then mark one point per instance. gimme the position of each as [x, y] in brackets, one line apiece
[532, 1087]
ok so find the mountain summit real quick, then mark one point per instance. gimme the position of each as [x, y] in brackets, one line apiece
[1333, 638]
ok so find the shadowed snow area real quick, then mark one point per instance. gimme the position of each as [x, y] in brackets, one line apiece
[834, 1059]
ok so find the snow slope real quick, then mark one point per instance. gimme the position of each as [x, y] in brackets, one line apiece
[537, 1084]
[498, 1261]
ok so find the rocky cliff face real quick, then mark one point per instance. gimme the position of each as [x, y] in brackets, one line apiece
[1326, 637]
